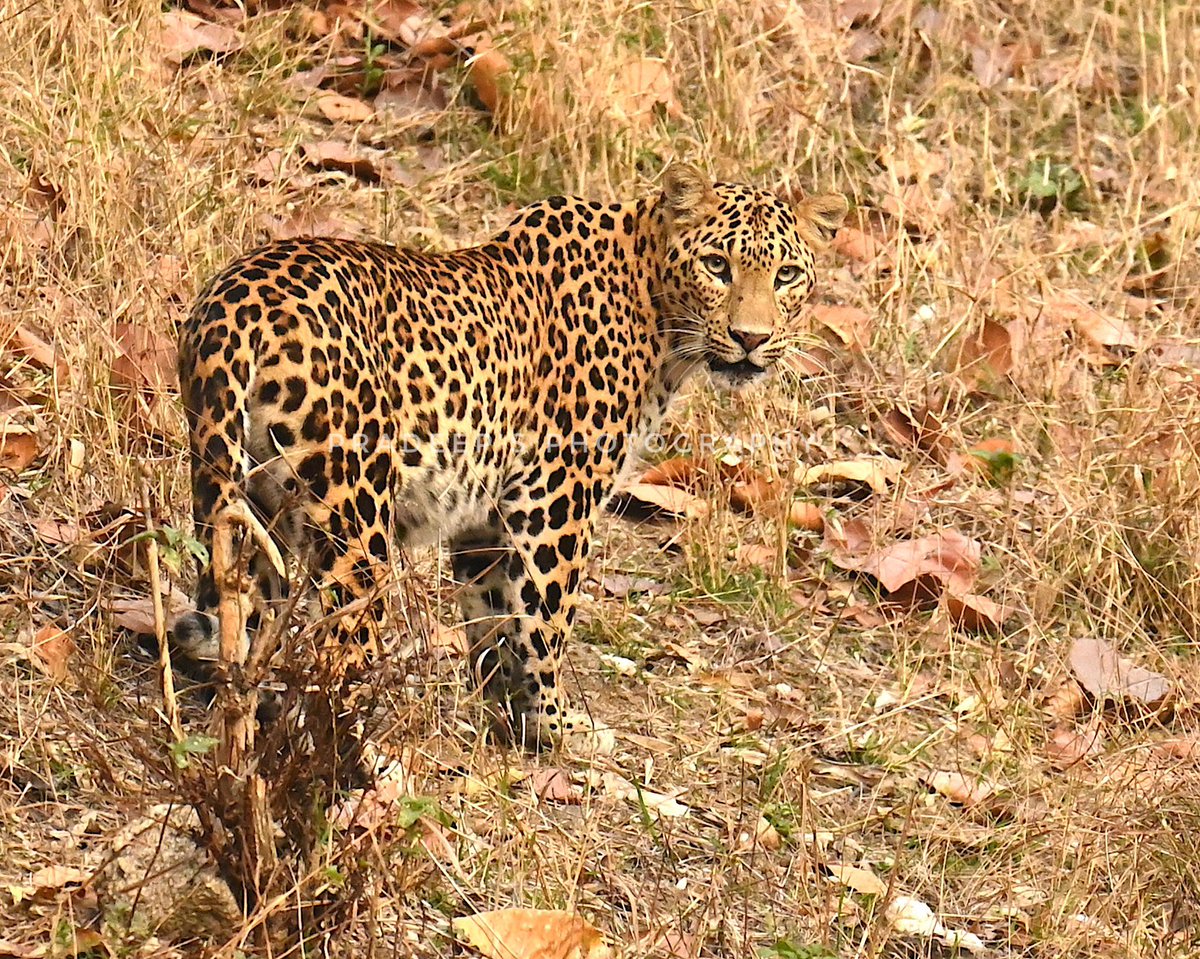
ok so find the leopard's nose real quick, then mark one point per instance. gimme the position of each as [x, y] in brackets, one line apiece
[749, 341]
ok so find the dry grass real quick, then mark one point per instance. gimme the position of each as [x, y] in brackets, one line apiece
[126, 183]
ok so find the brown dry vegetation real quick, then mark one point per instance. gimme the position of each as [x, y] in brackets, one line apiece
[1021, 259]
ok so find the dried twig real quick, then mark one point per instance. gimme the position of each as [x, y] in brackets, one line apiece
[170, 705]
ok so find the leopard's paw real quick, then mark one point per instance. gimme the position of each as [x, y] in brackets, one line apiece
[587, 736]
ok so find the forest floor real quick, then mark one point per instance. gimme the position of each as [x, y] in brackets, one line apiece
[899, 652]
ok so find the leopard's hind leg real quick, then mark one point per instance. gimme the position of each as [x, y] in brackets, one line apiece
[216, 400]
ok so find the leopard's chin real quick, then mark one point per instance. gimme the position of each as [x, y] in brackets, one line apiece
[737, 375]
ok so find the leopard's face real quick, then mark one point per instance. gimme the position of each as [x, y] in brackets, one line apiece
[738, 268]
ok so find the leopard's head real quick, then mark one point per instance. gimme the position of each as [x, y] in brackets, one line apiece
[738, 265]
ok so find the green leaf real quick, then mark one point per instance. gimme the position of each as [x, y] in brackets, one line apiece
[785, 949]
[414, 808]
[1000, 464]
[1045, 181]
[196, 744]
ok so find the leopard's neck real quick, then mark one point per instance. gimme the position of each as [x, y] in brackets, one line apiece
[654, 243]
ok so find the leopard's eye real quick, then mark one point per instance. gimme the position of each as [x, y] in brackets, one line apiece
[787, 275]
[716, 264]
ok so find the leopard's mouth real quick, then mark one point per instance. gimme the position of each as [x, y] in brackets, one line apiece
[737, 373]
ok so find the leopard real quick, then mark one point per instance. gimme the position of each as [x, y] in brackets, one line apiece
[347, 399]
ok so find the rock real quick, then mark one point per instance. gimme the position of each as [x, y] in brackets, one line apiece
[158, 882]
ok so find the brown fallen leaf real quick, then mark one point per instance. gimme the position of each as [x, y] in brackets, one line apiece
[145, 360]
[137, 614]
[861, 880]
[392, 20]
[22, 950]
[918, 570]
[311, 24]
[439, 842]
[754, 492]
[912, 162]
[446, 641]
[19, 447]
[369, 809]
[918, 207]
[807, 516]
[975, 613]
[680, 471]
[52, 650]
[863, 45]
[959, 788]
[694, 658]
[877, 473]
[921, 428]
[1107, 675]
[851, 325]
[439, 52]
[1181, 355]
[341, 109]
[488, 70]
[363, 809]
[1185, 748]
[1107, 331]
[756, 556]
[1109, 335]
[668, 499]
[531, 934]
[1155, 267]
[672, 943]
[554, 785]
[16, 399]
[170, 271]
[762, 836]
[854, 13]
[985, 357]
[658, 803]
[812, 360]
[218, 11]
[33, 347]
[73, 940]
[1068, 746]
[341, 156]
[269, 168]
[58, 531]
[851, 537]
[992, 65]
[182, 35]
[56, 877]
[1080, 234]
[867, 617]
[42, 195]
[405, 98]
[707, 617]
[858, 245]
[109, 534]
[1066, 702]
[309, 222]
[637, 87]
[985, 458]
[621, 585]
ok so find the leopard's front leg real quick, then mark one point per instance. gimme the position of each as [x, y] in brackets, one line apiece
[520, 581]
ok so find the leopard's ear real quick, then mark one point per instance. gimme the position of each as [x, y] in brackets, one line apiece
[820, 216]
[687, 193]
